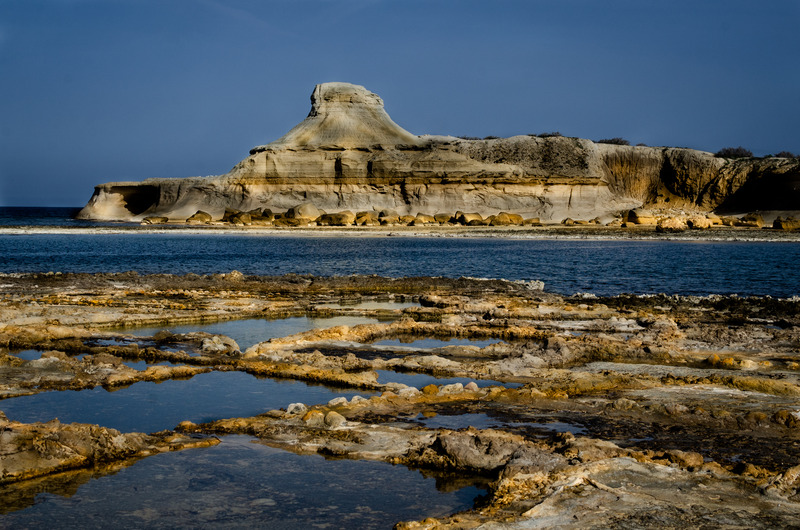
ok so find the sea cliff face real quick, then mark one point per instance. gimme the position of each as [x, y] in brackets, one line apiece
[349, 155]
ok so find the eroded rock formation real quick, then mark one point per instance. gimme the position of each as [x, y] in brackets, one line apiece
[348, 154]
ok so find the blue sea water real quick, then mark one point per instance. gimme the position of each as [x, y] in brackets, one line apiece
[567, 266]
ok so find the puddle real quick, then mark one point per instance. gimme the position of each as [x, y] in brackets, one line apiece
[481, 420]
[435, 343]
[252, 331]
[245, 485]
[28, 355]
[422, 380]
[151, 407]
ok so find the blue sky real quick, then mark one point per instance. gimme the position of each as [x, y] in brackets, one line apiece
[96, 91]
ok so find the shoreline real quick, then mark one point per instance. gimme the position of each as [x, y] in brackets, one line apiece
[554, 232]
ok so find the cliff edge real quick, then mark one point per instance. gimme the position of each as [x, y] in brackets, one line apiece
[348, 154]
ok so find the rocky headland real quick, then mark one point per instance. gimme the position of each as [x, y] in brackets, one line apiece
[349, 164]
[585, 412]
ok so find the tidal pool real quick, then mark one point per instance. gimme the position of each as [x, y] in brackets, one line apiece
[242, 484]
[481, 420]
[150, 407]
[254, 330]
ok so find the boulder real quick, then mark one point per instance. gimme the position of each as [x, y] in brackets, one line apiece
[640, 216]
[345, 218]
[751, 220]
[699, 223]
[261, 214]
[241, 219]
[229, 213]
[367, 219]
[532, 221]
[407, 219]
[425, 219]
[284, 221]
[671, 225]
[790, 223]
[306, 211]
[506, 219]
[467, 218]
[200, 217]
[388, 214]
[155, 220]
[442, 218]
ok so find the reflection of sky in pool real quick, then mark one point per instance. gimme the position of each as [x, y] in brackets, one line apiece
[252, 331]
[436, 343]
[150, 407]
[246, 485]
[482, 420]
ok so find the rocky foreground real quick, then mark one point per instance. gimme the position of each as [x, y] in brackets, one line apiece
[348, 155]
[623, 411]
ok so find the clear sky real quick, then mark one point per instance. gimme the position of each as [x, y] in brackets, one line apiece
[95, 91]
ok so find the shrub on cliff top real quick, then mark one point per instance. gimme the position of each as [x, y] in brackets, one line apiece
[786, 154]
[734, 152]
[614, 141]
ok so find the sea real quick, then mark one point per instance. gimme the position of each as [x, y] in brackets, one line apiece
[51, 240]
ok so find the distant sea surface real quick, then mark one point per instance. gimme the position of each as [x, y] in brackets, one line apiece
[602, 267]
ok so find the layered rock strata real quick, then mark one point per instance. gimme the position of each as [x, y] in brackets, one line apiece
[348, 154]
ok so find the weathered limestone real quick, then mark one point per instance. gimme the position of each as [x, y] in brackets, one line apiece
[660, 410]
[34, 450]
[349, 155]
[789, 223]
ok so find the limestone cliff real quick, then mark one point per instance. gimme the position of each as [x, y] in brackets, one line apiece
[349, 154]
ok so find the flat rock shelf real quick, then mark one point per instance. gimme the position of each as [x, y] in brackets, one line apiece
[421, 402]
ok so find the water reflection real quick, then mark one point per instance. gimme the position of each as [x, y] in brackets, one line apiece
[151, 407]
[241, 484]
[254, 330]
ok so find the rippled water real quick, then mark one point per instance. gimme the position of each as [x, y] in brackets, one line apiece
[566, 266]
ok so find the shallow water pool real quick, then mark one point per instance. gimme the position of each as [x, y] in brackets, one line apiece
[247, 485]
[151, 407]
[481, 420]
[254, 330]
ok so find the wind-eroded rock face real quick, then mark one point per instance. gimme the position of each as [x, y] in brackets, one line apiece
[348, 154]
